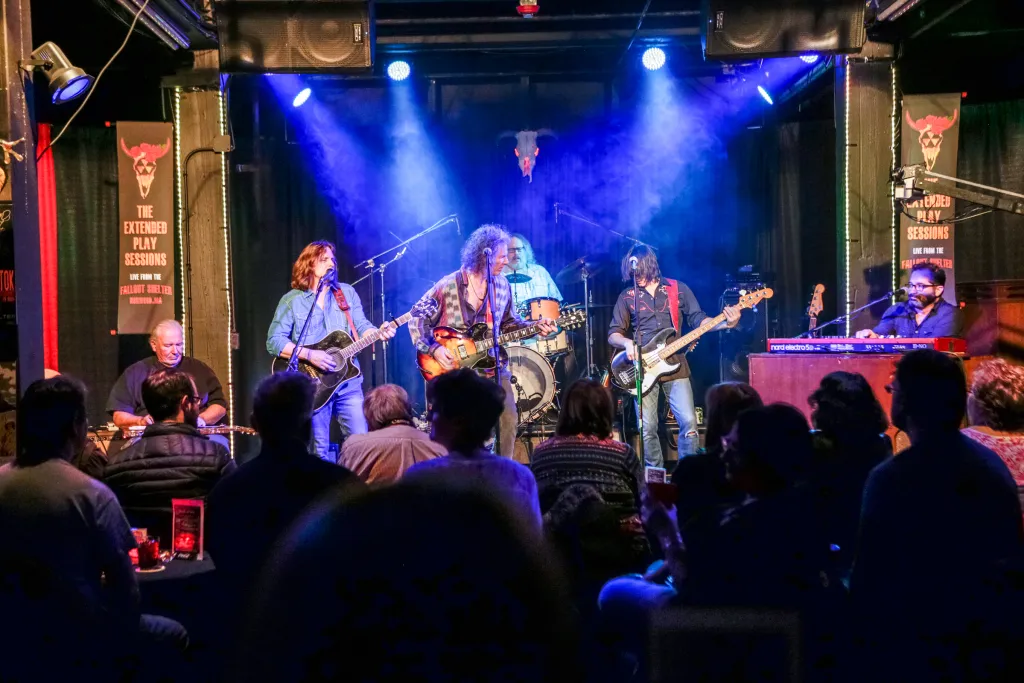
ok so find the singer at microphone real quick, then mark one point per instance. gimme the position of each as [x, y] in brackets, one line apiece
[925, 313]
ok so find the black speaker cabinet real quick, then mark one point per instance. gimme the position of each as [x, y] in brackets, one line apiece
[275, 36]
[751, 29]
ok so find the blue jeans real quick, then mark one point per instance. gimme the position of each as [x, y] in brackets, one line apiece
[347, 407]
[680, 400]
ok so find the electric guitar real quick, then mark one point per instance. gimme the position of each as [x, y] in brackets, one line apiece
[340, 347]
[472, 348]
[656, 354]
[815, 307]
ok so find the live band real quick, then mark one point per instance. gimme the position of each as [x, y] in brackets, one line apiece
[501, 304]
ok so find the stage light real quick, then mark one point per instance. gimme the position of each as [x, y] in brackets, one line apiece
[301, 98]
[653, 58]
[399, 71]
[67, 81]
[764, 94]
[809, 59]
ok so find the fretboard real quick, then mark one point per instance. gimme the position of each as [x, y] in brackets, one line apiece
[691, 337]
[513, 336]
[371, 337]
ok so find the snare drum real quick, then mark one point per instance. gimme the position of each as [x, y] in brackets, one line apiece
[546, 307]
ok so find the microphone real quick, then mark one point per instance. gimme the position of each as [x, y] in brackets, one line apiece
[633, 263]
[487, 252]
[901, 290]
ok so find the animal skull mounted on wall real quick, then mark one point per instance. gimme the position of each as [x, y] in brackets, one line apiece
[526, 147]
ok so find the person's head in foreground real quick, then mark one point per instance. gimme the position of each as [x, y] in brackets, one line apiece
[929, 393]
[463, 409]
[768, 449]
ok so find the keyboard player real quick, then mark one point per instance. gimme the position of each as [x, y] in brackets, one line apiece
[924, 314]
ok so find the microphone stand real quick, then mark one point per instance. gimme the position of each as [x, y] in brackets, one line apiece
[559, 211]
[494, 339]
[293, 362]
[380, 268]
[638, 368]
[810, 333]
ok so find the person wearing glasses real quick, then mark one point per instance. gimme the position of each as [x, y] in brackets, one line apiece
[533, 279]
[924, 314]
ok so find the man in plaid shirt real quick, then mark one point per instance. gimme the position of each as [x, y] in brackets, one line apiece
[462, 300]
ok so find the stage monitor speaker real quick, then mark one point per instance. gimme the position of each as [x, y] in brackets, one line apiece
[751, 29]
[275, 36]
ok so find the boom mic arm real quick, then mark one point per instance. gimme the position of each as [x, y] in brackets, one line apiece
[914, 182]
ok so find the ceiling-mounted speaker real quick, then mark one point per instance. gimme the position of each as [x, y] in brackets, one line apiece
[741, 29]
[305, 36]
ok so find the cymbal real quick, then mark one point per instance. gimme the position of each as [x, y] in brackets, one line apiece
[574, 271]
[517, 278]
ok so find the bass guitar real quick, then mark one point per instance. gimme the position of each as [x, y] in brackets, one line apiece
[815, 307]
[472, 348]
[342, 349]
[656, 355]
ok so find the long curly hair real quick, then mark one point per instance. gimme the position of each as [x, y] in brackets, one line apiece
[487, 235]
[998, 392]
[302, 269]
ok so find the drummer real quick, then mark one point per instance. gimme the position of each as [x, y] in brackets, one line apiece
[529, 280]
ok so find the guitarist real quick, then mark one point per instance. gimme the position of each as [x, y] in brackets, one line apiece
[462, 299]
[663, 303]
[337, 308]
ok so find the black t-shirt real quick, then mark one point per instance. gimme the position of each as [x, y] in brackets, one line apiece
[126, 395]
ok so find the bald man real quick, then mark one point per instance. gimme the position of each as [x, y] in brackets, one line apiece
[168, 343]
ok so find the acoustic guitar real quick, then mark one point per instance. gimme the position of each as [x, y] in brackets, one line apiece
[472, 348]
[342, 349]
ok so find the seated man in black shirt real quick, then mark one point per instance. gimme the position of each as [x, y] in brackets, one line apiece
[925, 313]
[168, 342]
[171, 459]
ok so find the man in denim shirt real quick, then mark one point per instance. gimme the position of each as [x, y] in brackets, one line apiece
[309, 269]
[924, 314]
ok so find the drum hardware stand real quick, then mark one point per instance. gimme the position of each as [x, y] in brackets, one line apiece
[375, 265]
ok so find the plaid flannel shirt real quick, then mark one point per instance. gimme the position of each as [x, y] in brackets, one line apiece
[449, 310]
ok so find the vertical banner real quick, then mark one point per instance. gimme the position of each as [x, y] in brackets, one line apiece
[930, 135]
[145, 176]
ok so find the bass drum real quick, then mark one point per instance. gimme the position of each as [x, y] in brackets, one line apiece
[533, 382]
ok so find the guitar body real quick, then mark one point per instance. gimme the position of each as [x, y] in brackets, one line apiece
[463, 347]
[622, 369]
[327, 383]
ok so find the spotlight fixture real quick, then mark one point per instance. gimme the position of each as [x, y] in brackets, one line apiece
[653, 58]
[300, 99]
[809, 59]
[399, 71]
[67, 81]
[764, 94]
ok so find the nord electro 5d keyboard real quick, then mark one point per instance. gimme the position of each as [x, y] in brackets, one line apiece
[877, 345]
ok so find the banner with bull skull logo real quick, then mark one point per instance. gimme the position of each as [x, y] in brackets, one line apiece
[930, 136]
[145, 174]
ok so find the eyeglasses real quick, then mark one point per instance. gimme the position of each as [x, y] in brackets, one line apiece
[513, 250]
[921, 285]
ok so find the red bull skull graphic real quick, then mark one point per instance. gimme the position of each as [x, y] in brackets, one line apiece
[929, 134]
[526, 149]
[144, 157]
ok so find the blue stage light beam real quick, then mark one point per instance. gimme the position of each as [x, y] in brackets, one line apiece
[301, 97]
[764, 94]
[653, 58]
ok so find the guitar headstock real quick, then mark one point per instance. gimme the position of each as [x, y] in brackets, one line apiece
[751, 299]
[816, 305]
[573, 319]
[425, 308]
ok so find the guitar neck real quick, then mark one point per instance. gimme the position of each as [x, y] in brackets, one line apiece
[513, 336]
[692, 336]
[370, 338]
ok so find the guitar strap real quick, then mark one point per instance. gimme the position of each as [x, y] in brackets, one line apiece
[339, 296]
[673, 303]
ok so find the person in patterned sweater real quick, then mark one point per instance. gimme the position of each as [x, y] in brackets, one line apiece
[463, 301]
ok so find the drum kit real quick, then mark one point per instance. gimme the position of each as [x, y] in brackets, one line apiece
[532, 362]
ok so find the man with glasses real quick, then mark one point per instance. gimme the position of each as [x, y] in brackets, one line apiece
[924, 314]
[529, 279]
[170, 460]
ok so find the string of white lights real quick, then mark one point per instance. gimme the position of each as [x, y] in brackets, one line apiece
[179, 181]
[846, 187]
[222, 109]
[892, 185]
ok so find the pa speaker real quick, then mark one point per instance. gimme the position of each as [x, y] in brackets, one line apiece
[306, 36]
[742, 29]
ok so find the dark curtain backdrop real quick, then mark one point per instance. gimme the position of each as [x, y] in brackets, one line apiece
[281, 200]
[991, 152]
[85, 164]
